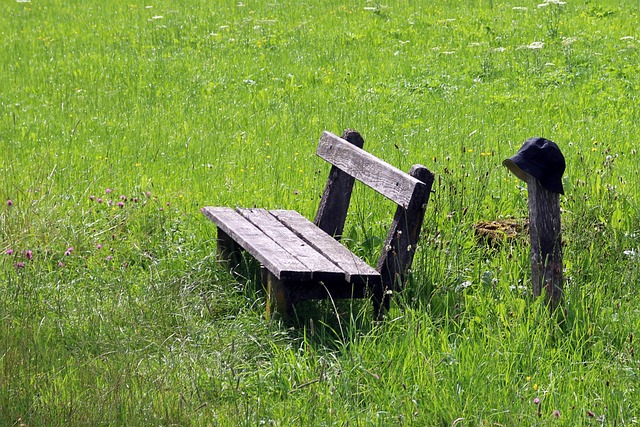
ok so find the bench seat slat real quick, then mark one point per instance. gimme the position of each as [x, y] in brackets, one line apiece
[356, 270]
[387, 180]
[253, 240]
[321, 268]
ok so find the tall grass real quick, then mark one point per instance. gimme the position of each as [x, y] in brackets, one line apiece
[120, 120]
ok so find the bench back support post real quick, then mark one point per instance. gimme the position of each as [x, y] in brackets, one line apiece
[334, 204]
[399, 247]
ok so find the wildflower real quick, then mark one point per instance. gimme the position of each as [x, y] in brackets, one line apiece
[536, 401]
[121, 204]
[28, 254]
[9, 251]
[92, 197]
[99, 246]
[135, 200]
[536, 45]
[9, 202]
[108, 190]
[148, 194]
[99, 200]
[535, 386]
[20, 264]
[123, 197]
[68, 251]
[590, 414]
[556, 413]
[109, 258]
[463, 285]
[60, 264]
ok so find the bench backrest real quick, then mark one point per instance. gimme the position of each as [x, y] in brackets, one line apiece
[387, 180]
[410, 191]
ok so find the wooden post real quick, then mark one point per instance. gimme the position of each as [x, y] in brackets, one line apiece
[546, 243]
[279, 303]
[334, 204]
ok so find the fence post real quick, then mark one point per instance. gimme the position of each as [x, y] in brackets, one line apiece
[546, 243]
[540, 164]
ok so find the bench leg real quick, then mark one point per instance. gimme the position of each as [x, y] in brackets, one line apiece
[228, 250]
[381, 302]
[278, 301]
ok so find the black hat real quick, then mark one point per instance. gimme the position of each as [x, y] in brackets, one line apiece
[541, 159]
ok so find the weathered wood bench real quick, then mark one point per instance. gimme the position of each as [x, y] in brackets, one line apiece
[303, 260]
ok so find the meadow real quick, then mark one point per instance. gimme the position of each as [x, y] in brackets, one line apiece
[120, 120]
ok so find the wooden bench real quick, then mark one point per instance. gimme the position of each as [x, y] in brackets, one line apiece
[303, 260]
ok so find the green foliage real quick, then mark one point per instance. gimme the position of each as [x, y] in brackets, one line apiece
[119, 314]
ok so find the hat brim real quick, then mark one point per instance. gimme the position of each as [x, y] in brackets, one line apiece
[515, 169]
[524, 176]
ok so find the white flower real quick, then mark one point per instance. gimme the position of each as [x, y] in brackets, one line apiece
[536, 45]
[548, 2]
[463, 285]
[519, 8]
[631, 253]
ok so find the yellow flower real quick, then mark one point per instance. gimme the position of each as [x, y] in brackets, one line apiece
[535, 387]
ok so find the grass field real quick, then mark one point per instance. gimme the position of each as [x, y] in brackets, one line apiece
[120, 120]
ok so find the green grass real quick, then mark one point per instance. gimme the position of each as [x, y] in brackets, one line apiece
[179, 105]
